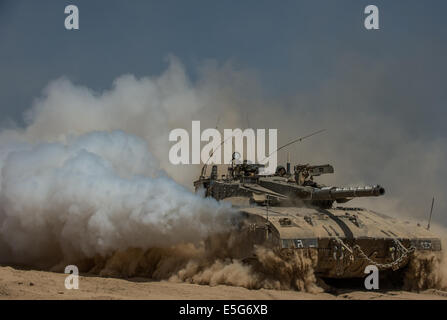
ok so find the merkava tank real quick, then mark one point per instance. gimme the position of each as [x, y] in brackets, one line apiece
[290, 211]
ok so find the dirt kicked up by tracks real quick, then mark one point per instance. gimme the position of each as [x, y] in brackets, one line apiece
[30, 284]
[186, 272]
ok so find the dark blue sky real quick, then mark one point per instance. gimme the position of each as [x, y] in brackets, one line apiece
[290, 45]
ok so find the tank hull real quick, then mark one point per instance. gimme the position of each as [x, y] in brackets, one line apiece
[345, 240]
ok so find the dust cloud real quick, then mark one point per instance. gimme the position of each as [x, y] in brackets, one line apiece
[88, 178]
[198, 265]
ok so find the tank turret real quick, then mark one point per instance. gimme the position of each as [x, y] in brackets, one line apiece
[298, 189]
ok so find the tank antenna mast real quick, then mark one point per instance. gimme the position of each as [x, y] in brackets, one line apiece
[202, 174]
[431, 211]
[292, 142]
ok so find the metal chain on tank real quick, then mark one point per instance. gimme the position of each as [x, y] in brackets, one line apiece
[404, 253]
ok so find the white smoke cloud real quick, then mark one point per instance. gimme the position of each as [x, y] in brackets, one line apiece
[79, 179]
[92, 195]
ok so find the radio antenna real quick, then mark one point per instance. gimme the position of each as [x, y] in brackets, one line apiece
[431, 211]
[294, 141]
[211, 154]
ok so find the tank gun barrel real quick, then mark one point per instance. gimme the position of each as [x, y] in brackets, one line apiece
[324, 194]
[337, 193]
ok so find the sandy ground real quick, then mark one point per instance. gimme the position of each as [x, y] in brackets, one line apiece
[30, 284]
